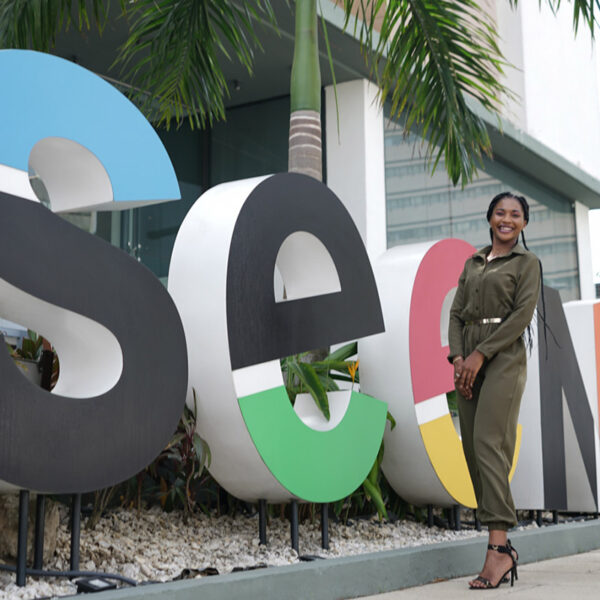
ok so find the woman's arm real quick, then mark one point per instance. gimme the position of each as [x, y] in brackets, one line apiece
[456, 324]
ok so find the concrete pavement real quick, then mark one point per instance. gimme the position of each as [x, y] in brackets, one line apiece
[570, 577]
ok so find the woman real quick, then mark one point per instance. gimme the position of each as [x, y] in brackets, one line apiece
[494, 304]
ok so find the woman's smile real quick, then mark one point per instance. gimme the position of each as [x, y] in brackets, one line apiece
[507, 221]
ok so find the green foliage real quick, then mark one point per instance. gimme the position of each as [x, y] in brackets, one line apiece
[428, 57]
[180, 464]
[33, 24]
[31, 347]
[170, 57]
[319, 377]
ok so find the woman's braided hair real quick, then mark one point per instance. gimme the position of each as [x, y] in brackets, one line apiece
[525, 206]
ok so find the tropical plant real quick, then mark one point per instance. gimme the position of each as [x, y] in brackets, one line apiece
[181, 463]
[427, 56]
[318, 378]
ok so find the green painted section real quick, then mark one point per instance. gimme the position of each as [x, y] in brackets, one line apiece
[368, 574]
[317, 466]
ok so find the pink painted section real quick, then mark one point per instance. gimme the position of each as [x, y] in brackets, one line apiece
[438, 273]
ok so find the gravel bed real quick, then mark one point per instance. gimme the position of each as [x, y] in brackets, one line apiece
[158, 546]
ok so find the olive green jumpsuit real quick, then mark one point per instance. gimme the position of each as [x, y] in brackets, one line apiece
[507, 287]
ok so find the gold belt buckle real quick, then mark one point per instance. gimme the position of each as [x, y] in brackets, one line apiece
[485, 321]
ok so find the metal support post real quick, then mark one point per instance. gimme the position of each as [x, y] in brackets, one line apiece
[40, 521]
[456, 517]
[430, 515]
[75, 530]
[262, 522]
[325, 526]
[22, 537]
[294, 524]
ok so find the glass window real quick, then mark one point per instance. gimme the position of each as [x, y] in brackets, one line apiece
[253, 141]
[423, 207]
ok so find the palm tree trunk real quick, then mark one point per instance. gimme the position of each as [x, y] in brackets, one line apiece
[305, 152]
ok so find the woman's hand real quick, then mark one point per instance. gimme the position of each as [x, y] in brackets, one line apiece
[465, 372]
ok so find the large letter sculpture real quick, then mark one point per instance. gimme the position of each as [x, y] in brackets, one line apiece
[558, 469]
[222, 280]
[407, 367]
[117, 332]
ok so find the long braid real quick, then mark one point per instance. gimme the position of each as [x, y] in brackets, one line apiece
[525, 207]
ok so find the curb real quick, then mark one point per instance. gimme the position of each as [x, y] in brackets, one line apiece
[369, 574]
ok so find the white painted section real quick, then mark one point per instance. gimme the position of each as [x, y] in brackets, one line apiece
[73, 177]
[91, 360]
[434, 408]
[308, 411]
[306, 267]
[198, 285]
[257, 378]
[16, 183]
[527, 485]
[561, 83]
[580, 318]
[385, 373]
[584, 252]
[355, 158]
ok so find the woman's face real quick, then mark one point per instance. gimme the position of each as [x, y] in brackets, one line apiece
[507, 221]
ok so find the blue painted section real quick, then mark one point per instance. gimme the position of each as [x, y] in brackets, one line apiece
[43, 96]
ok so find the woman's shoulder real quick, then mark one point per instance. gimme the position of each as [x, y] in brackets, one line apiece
[528, 255]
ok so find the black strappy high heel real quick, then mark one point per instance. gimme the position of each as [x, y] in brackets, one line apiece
[487, 584]
[515, 559]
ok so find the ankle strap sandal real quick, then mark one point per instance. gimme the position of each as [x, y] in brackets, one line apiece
[487, 584]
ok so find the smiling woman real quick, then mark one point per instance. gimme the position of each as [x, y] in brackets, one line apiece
[494, 303]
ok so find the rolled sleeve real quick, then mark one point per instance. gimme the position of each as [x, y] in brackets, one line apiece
[456, 324]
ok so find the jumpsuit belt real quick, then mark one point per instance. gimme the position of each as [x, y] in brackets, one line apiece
[485, 321]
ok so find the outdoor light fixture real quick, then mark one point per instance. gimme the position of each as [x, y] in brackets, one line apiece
[90, 585]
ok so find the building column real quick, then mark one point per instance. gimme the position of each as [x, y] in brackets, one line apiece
[584, 252]
[355, 158]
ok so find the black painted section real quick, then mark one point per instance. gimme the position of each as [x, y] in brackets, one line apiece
[261, 329]
[559, 371]
[56, 444]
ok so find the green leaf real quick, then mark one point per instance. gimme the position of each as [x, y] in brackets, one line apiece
[312, 384]
[391, 419]
[375, 495]
[344, 352]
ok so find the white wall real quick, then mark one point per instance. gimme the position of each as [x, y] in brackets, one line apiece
[560, 87]
[595, 243]
[584, 252]
[355, 158]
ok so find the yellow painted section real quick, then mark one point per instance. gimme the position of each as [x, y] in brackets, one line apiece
[517, 450]
[448, 459]
[445, 451]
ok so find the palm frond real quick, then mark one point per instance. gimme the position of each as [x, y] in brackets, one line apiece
[428, 57]
[172, 53]
[34, 24]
